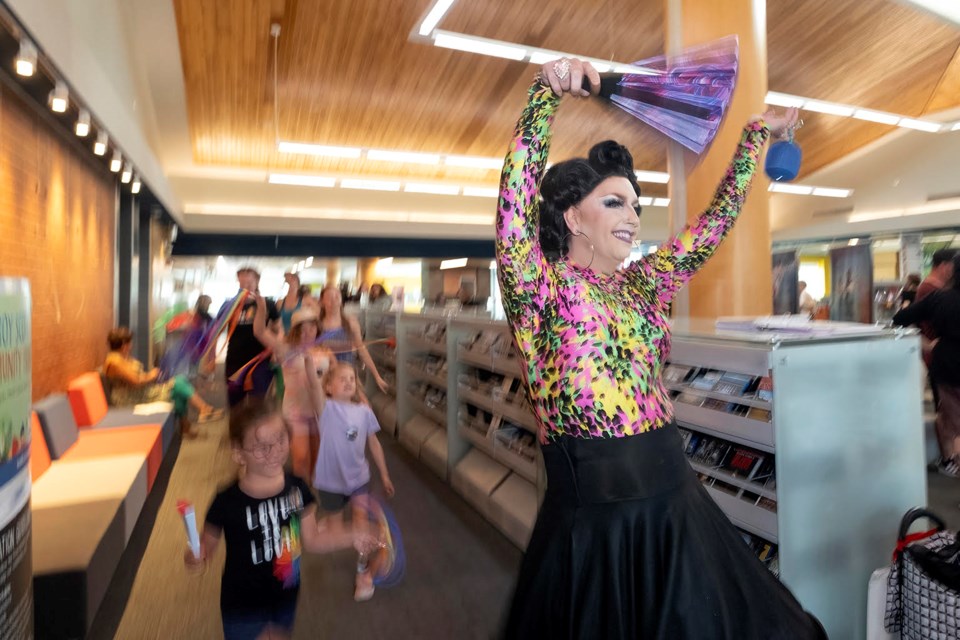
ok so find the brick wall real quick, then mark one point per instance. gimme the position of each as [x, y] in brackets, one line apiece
[57, 230]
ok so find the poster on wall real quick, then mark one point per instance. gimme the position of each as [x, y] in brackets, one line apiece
[16, 581]
[786, 274]
[851, 290]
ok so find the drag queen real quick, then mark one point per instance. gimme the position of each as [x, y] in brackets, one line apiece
[627, 544]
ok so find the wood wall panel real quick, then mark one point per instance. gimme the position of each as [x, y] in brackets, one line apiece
[349, 75]
[57, 230]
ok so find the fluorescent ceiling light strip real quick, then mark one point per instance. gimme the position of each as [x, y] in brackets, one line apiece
[318, 149]
[453, 264]
[876, 116]
[474, 162]
[371, 185]
[403, 156]
[794, 189]
[832, 193]
[920, 125]
[783, 100]
[948, 9]
[481, 192]
[644, 201]
[301, 181]
[661, 202]
[543, 56]
[482, 46]
[351, 215]
[434, 17]
[658, 177]
[955, 127]
[436, 189]
[830, 108]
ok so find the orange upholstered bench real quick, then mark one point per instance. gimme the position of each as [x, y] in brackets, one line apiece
[88, 403]
[61, 440]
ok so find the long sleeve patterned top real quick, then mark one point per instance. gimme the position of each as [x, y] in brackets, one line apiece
[594, 344]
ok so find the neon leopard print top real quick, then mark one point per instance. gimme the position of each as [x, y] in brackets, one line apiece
[594, 344]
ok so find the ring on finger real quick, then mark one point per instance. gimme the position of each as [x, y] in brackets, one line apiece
[562, 68]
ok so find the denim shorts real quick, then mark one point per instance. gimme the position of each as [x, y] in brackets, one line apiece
[248, 625]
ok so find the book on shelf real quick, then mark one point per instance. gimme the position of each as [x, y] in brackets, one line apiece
[733, 384]
[766, 473]
[677, 373]
[741, 461]
[756, 413]
[689, 398]
[435, 331]
[768, 504]
[765, 389]
[485, 341]
[707, 380]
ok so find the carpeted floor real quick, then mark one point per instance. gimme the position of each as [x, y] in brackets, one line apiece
[459, 575]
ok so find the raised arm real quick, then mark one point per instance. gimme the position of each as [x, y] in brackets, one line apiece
[677, 261]
[520, 262]
[353, 328]
[266, 337]
[521, 266]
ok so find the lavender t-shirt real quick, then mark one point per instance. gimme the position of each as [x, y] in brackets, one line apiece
[341, 462]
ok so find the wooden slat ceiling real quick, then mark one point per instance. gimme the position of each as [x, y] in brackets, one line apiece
[348, 75]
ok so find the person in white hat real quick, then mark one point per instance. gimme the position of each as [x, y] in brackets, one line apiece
[303, 362]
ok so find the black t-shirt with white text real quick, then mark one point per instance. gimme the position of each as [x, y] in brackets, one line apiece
[262, 537]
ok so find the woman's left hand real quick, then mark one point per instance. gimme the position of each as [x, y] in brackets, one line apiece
[779, 123]
[382, 384]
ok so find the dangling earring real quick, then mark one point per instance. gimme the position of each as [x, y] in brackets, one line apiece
[593, 250]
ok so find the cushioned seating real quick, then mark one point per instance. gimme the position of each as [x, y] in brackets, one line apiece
[99, 443]
[39, 454]
[87, 399]
[125, 417]
[76, 482]
[88, 402]
[57, 422]
[76, 550]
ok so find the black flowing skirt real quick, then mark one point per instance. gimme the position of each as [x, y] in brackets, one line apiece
[628, 544]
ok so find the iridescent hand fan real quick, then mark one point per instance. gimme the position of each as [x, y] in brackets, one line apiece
[683, 97]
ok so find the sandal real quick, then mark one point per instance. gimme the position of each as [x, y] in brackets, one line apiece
[209, 416]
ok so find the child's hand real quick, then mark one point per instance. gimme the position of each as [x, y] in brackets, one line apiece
[191, 561]
[388, 486]
[365, 543]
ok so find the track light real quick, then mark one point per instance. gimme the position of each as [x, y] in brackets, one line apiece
[127, 174]
[117, 162]
[100, 146]
[59, 98]
[83, 123]
[135, 187]
[26, 62]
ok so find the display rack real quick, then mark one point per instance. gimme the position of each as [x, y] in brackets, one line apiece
[817, 453]
[811, 445]
[378, 326]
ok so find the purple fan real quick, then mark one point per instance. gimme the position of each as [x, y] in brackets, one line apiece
[683, 98]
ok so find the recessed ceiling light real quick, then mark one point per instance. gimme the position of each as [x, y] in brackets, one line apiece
[436, 189]
[658, 177]
[456, 263]
[403, 156]
[83, 124]
[794, 189]
[318, 149]
[478, 45]
[301, 181]
[434, 16]
[371, 185]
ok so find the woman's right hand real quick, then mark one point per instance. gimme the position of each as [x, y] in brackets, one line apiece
[573, 76]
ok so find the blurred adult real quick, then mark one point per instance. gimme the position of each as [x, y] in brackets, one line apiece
[341, 333]
[940, 312]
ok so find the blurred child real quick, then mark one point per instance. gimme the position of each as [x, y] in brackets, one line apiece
[342, 474]
[266, 517]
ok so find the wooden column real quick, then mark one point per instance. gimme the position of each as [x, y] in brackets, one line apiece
[367, 271]
[737, 279]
